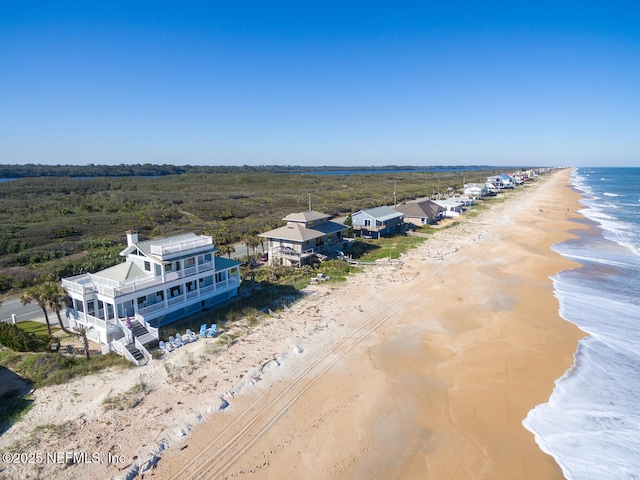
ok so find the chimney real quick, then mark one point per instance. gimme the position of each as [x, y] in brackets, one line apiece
[132, 237]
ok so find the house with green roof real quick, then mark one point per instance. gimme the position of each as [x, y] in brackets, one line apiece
[160, 281]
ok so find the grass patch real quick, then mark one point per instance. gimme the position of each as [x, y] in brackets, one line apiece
[44, 369]
[390, 247]
[127, 400]
[39, 329]
[13, 406]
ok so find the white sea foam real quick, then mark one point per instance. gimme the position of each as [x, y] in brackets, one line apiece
[591, 422]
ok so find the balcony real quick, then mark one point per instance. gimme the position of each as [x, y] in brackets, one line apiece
[90, 283]
[179, 247]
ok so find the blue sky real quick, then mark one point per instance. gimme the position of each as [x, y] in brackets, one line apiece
[320, 83]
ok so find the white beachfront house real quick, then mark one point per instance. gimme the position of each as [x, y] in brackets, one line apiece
[161, 280]
[476, 190]
[305, 236]
[454, 207]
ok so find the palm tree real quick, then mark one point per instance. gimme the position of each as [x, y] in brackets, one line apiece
[55, 296]
[227, 250]
[253, 242]
[36, 293]
[246, 241]
[82, 332]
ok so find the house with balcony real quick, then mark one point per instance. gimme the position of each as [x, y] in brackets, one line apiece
[454, 207]
[476, 190]
[306, 235]
[376, 222]
[160, 281]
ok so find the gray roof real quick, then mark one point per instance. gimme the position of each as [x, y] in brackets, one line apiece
[425, 208]
[304, 217]
[382, 213]
[299, 233]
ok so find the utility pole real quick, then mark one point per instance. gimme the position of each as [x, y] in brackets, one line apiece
[394, 195]
[309, 202]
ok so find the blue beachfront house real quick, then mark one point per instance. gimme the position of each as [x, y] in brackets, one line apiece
[376, 222]
[160, 281]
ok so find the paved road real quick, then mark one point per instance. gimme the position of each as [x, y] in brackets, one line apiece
[30, 311]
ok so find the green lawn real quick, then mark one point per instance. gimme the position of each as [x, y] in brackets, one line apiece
[387, 247]
[37, 328]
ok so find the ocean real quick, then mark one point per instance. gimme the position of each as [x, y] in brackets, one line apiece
[591, 423]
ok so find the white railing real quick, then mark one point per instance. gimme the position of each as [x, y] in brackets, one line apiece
[114, 288]
[192, 294]
[77, 286]
[181, 246]
[203, 267]
[98, 322]
[128, 334]
[207, 289]
[175, 300]
[156, 307]
[142, 349]
[120, 348]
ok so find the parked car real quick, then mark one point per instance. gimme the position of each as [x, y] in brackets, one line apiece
[264, 257]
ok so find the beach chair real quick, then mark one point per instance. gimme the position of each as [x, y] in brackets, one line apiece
[174, 343]
[181, 339]
[203, 330]
[165, 347]
[212, 331]
[191, 335]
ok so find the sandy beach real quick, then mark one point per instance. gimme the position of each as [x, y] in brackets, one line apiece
[419, 370]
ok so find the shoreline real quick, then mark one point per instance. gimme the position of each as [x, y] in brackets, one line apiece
[424, 370]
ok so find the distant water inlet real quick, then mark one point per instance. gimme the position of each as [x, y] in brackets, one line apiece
[591, 423]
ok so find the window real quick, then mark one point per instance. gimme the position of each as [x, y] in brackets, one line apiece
[191, 262]
[79, 305]
[147, 266]
[367, 222]
[91, 308]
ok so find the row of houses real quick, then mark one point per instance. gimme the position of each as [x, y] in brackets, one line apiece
[161, 280]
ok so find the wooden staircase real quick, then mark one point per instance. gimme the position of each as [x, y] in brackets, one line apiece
[137, 354]
[137, 329]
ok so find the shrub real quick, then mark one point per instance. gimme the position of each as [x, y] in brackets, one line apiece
[17, 339]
